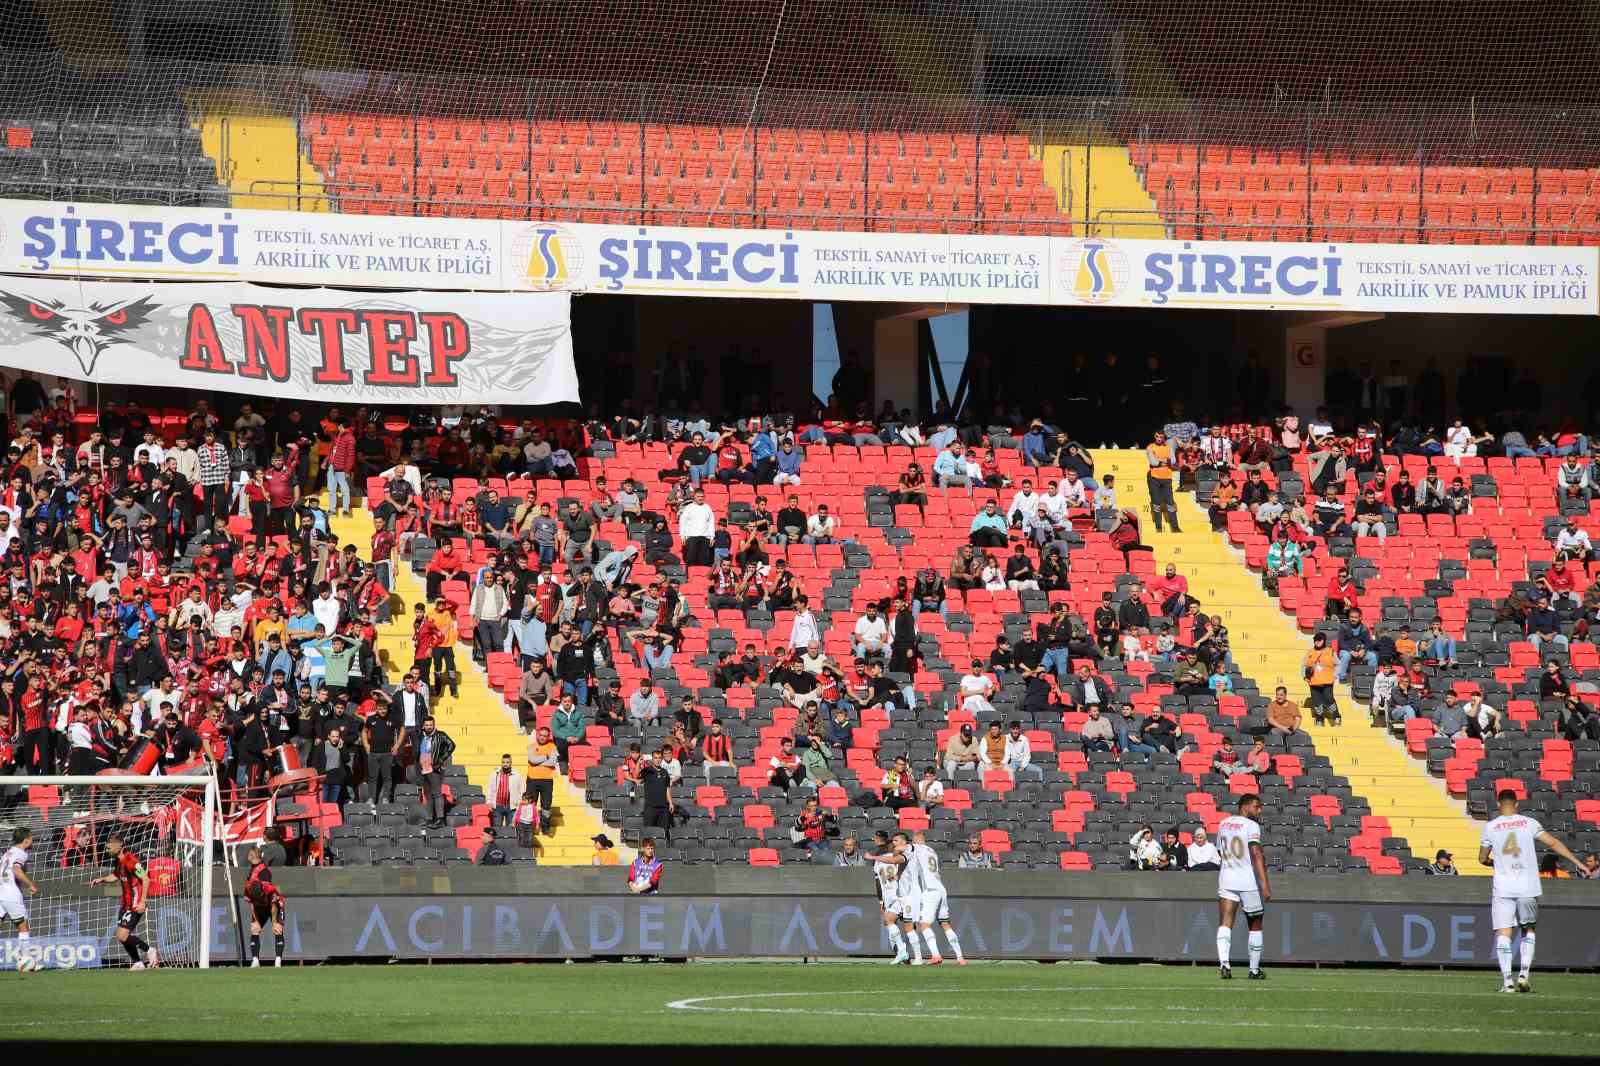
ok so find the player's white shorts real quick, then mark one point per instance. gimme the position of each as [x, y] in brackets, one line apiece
[12, 908]
[935, 907]
[1249, 900]
[910, 907]
[1509, 912]
[891, 905]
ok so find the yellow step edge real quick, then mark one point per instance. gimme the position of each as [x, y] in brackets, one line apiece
[1268, 647]
[478, 718]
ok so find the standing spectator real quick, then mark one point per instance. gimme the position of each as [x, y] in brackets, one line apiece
[1159, 480]
[434, 748]
[341, 466]
[655, 782]
[505, 788]
[644, 873]
[696, 526]
[543, 762]
[215, 477]
[567, 727]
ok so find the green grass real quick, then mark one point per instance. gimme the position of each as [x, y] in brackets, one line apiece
[829, 1003]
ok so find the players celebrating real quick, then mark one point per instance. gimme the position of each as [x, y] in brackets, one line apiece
[1242, 883]
[127, 869]
[935, 902]
[1507, 845]
[266, 904]
[14, 881]
[888, 867]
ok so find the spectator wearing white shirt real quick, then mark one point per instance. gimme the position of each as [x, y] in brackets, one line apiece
[871, 633]
[1574, 542]
[1023, 505]
[1203, 854]
[804, 631]
[1216, 450]
[696, 526]
[325, 608]
[151, 450]
[976, 688]
[820, 527]
[930, 790]
[1019, 753]
[1072, 490]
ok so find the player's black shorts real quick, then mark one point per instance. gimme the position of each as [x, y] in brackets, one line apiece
[130, 919]
[268, 912]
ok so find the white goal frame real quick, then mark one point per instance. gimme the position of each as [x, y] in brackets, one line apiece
[206, 783]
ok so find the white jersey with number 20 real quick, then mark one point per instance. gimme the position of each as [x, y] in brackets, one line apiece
[1509, 839]
[1235, 834]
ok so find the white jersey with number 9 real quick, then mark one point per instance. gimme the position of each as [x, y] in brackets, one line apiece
[1235, 834]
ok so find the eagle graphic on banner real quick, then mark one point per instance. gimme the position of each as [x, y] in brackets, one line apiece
[86, 332]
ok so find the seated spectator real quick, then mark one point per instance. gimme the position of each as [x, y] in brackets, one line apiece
[950, 468]
[1328, 517]
[1440, 646]
[988, 529]
[1125, 537]
[962, 751]
[1578, 720]
[1370, 515]
[871, 634]
[1224, 499]
[1574, 481]
[1544, 624]
[1096, 733]
[1226, 761]
[1258, 761]
[1450, 720]
[976, 688]
[899, 786]
[1457, 500]
[1561, 583]
[1343, 594]
[1203, 854]
[1054, 575]
[1174, 855]
[975, 858]
[1144, 850]
[930, 790]
[792, 521]
[1159, 731]
[912, 489]
[1283, 715]
[966, 569]
[784, 769]
[788, 462]
[990, 576]
[1172, 590]
[1019, 753]
[1355, 643]
[814, 760]
[1284, 558]
[1573, 543]
[1483, 721]
[822, 527]
[1020, 573]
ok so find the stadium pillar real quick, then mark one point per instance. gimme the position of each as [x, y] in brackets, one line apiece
[1305, 361]
[897, 354]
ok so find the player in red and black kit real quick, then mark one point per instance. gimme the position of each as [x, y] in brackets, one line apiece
[127, 869]
[267, 904]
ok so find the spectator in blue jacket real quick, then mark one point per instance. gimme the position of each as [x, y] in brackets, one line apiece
[1035, 449]
[988, 527]
[788, 460]
[950, 468]
[763, 453]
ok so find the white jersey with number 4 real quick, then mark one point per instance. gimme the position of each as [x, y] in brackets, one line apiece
[1509, 839]
[1235, 834]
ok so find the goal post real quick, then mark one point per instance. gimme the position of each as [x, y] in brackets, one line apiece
[169, 823]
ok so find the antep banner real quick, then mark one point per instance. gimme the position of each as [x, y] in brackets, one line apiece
[328, 345]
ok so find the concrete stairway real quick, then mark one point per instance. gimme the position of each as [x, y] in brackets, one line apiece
[478, 720]
[1269, 648]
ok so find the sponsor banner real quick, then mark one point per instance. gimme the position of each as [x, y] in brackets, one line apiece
[586, 926]
[434, 253]
[318, 344]
[51, 953]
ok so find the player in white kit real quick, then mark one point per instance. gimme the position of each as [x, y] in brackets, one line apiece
[1507, 845]
[935, 901]
[14, 880]
[1242, 883]
[887, 868]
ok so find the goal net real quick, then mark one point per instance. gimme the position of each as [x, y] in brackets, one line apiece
[69, 829]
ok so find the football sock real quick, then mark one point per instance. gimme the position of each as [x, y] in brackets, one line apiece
[1502, 951]
[1527, 953]
[914, 943]
[894, 938]
[955, 944]
[1256, 940]
[255, 946]
[932, 941]
[134, 947]
[1224, 943]
[277, 945]
[24, 936]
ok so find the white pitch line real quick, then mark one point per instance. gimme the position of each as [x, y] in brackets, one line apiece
[697, 1003]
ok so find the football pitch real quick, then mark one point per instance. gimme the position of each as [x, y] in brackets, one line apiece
[1021, 1004]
